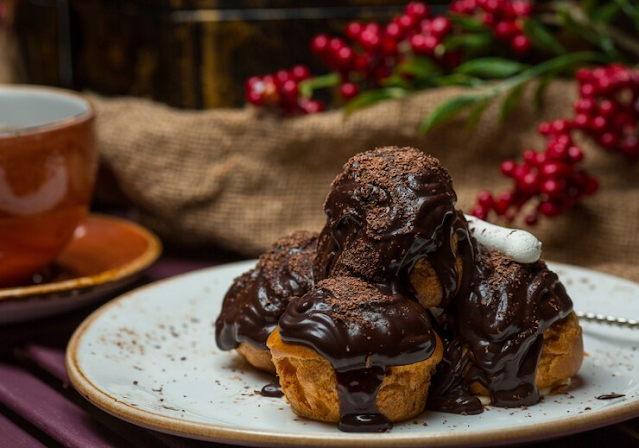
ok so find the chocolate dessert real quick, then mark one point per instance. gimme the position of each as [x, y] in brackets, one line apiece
[358, 332]
[402, 284]
[257, 299]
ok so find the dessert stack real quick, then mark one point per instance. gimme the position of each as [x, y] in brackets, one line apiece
[396, 306]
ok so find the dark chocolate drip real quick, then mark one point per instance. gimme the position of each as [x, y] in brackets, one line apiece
[494, 334]
[611, 396]
[361, 329]
[272, 390]
[256, 300]
[388, 209]
[357, 391]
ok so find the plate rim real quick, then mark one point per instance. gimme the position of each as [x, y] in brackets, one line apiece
[147, 258]
[221, 433]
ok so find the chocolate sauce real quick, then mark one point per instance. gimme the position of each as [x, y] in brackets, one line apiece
[361, 329]
[494, 334]
[272, 390]
[611, 396]
[255, 301]
[390, 208]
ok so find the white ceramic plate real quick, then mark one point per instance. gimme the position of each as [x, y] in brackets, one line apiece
[150, 358]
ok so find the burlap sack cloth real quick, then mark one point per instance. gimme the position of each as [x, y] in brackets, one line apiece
[241, 178]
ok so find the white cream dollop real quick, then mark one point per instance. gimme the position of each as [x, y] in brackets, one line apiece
[518, 245]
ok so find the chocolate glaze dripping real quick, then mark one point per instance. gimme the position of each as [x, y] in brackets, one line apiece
[256, 300]
[390, 208]
[273, 390]
[493, 335]
[361, 329]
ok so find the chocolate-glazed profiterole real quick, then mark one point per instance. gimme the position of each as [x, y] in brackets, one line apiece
[355, 352]
[255, 301]
[390, 208]
[494, 337]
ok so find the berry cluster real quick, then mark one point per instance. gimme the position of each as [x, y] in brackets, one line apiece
[551, 176]
[504, 17]
[280, 91]
[375, 50]
[608, 108]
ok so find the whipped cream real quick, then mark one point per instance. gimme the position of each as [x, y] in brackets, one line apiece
[518, 245]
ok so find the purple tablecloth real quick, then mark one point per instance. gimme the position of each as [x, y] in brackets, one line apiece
[38, 407]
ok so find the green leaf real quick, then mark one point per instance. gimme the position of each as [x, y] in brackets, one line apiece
[397, 81]
[475, 115]
[589, 7]
[607, 12]
[510, 102]
[307, 86]
[491, 68]
[541, 37]
[468, 23]
[468, 41]
[458, 79]
[448, 110]
[631, 10]
[370, 97]
[420, 67]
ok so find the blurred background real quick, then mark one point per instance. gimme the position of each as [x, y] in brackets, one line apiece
[185, 53]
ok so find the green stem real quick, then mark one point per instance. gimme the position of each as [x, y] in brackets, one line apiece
[621, 39]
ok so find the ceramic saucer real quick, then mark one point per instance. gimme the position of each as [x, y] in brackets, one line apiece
[104, 255]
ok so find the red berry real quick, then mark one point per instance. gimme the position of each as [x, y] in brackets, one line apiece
[300, 72]
[311, 106]
[417, 10]
[520, 44]
[591, 187]
[504, 30]
[479, 212]
[581, 121]
[501, 207]
[369, 39]
[281, 77]
[489, 19]
[348, 90]
[583, 75]
[585, 105]
[254, 98]
[587, 90]
[547, 208]
[607, 108]
[353, 30]
[556, 170]
[545, 128]
[521, 8]
[531, 219]
[440, 26]
[485, 199]
[608, 140]
[529, 183]
[406, 22]
[394, 31]
[597, 124]
[575, 155]
[319, 44]
[507, 167]
[423, 44]
[289, 90]
[530, 156]
[553, 187]
[560, 126]
[344, 57]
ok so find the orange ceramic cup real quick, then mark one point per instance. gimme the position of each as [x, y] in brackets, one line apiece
[48, 163]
